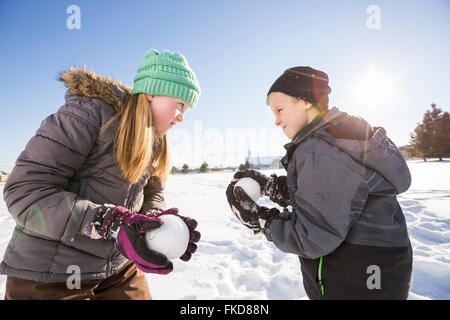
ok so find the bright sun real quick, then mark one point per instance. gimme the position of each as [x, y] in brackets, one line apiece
[374, 88]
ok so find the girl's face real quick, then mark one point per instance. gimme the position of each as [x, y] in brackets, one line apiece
[166, 112]
[290, 114]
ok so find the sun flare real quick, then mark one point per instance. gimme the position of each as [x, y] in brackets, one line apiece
[374, 88]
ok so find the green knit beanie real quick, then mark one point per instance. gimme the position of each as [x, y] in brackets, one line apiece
[168, 74]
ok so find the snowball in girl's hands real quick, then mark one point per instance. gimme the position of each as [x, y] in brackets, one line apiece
[171, 239]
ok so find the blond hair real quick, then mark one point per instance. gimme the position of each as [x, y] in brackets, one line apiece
[139, 149]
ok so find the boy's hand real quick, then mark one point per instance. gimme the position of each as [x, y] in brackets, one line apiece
[246, 210]
[274, 187]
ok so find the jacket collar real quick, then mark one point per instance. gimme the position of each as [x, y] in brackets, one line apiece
[317, 123]
[88, 83]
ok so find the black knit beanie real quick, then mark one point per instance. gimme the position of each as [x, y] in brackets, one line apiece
[304, 83]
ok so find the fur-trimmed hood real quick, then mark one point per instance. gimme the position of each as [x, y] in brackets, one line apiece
[84, 82]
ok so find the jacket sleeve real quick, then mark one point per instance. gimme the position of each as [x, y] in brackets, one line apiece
[35, 193]
[329, 197]
[153, 195]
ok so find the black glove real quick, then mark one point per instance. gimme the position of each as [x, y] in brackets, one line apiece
[274, 187]
[246, 210]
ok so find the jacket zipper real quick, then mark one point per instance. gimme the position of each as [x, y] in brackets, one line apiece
[109, 261]
[130, 196]
[319, 275]
[111, 254]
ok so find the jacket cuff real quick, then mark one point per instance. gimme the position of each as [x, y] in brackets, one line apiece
[91, 221]
[266, 230]
[283, 215]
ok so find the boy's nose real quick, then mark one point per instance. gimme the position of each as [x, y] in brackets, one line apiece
[277, 121]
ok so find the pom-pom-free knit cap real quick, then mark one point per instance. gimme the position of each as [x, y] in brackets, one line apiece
[305, 83]
[169, 74]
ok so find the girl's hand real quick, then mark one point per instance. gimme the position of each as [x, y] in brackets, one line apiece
[128, 230]
[194, 235]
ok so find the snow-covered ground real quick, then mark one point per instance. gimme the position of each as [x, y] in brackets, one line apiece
[231, 263]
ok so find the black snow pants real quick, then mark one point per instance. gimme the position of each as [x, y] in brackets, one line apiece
[358, 272]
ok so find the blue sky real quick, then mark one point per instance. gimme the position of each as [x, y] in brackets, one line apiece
[389, 76]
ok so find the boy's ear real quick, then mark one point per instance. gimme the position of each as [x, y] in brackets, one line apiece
[305, 104]
[308, 105]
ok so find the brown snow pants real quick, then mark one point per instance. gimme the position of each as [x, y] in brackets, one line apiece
[129, 283]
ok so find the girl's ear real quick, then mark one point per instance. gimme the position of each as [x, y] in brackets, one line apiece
[149, 97]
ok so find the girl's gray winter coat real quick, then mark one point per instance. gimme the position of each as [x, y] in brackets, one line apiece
[65, 171]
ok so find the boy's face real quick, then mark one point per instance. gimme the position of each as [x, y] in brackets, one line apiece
[290, 114]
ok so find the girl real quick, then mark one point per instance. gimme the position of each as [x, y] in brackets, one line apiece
[90, 183]
[343, 177]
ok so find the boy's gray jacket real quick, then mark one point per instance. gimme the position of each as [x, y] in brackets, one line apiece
[343, 177]
[66, 170]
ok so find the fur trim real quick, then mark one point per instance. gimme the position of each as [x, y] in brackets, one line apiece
[88, 83]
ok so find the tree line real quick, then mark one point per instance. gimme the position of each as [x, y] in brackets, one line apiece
[185, 168]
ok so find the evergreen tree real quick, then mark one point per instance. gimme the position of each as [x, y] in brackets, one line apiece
[185, 168]
[443, 134]
[431, 138]
[204, 167]
[245, 166]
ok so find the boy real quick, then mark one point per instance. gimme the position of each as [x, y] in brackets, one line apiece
[343, 176]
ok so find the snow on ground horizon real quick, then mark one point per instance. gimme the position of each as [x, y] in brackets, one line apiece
[232, 263]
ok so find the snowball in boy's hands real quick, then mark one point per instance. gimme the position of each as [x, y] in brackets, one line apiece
[251, 187]
[171, 239]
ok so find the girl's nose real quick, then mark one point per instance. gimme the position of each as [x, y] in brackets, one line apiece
[180, 117]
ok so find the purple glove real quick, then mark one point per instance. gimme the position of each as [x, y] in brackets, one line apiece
[128, 229]
[194, 235]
